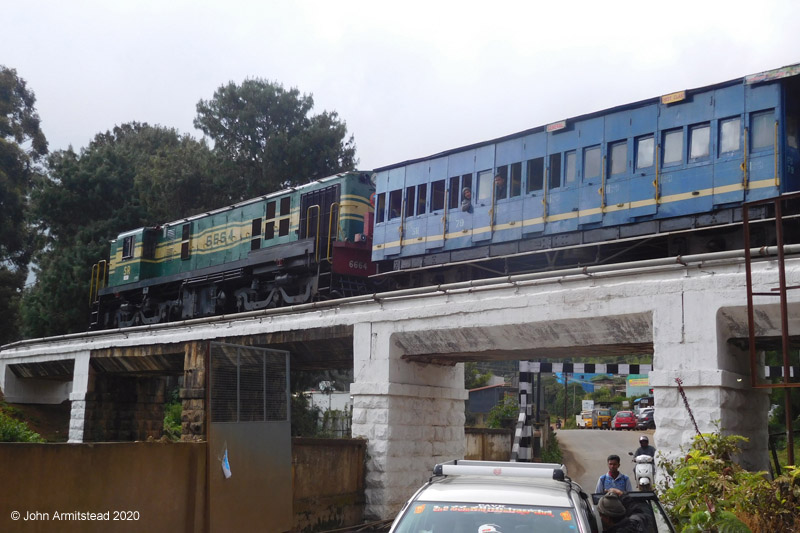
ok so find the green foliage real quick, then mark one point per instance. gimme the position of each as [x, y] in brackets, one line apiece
[552, 452]
[473, 378]
[304, 417]
[12, 430]
[706, 491]
[173, 410]
[267, 136]
[504, 414]
[22, 146]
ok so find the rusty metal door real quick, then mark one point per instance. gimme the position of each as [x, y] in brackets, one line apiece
[249, 440]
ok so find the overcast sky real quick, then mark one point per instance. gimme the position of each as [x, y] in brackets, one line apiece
[410, 78]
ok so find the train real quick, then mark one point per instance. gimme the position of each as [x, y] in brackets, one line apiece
[660, 177]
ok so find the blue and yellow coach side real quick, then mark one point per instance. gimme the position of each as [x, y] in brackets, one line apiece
[232, 258]
[649, 166]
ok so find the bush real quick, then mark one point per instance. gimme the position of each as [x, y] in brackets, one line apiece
[504, 414]
[706, 491]
[12, 430]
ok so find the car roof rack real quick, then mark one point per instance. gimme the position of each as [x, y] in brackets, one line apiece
[465, 467]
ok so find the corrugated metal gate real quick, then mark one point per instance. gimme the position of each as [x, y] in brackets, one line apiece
[249, 439]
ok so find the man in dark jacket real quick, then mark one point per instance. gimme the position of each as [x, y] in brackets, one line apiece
[620, 514]
[644, 447]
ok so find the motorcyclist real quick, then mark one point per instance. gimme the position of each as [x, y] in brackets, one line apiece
[644, 447]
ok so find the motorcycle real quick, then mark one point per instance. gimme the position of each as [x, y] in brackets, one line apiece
[644, 471]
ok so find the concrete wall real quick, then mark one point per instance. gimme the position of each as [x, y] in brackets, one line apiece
[487, 444]
[163, 483]
[328, 483]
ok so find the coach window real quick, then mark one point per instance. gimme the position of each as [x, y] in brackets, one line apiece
[410, 198]
[730, 135]
[591, 163]
[644, 152]
[286, 206]
[453, 201]
[269, 230]
[763, 130]
[485, 185]
[128, 246]
[422, 192]
[535, 168]
[554, 172]
[516, 179]
[395, 203]
[699, 142]
[619, 158]
[569, 168]
[270, 210]
[466, 182]
[673, 148]
[380, 209]
[502, 188]
[437, 195]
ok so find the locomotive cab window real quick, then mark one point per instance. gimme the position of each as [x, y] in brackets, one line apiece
[516, 179]
[535, 174]
[730, 135]
[128, 246]
[762, 128]
[699, 142]
[645, 148]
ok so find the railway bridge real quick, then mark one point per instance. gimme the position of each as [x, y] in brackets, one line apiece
[405, 346]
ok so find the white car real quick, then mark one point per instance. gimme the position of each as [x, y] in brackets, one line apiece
[494, 496]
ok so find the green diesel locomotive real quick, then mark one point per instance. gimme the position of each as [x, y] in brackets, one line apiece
[289, 247]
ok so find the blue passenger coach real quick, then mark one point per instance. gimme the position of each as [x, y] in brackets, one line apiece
[657, 171]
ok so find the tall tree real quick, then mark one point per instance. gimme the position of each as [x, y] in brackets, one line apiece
[266, 134]
[22, 146]
[136, 175]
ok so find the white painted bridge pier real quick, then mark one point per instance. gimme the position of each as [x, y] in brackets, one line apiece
[408, 394]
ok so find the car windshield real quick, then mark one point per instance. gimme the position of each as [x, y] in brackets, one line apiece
[454, 517]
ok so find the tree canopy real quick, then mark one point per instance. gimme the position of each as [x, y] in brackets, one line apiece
[22, 146]
[268, 137]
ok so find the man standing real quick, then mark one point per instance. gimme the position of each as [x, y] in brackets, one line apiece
[613, 479]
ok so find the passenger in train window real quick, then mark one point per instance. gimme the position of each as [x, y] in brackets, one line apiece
[499, 187]
[466, 200]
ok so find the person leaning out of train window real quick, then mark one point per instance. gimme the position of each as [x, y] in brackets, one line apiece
[499, 187]
[466, 199]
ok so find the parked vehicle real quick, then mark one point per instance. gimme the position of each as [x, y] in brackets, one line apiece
[586, 420]
[646, 420]
[469, 496]
[601, 418]
[624, 420]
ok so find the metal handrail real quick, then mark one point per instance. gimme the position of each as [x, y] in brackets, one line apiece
[97, 280]
[330, 227]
